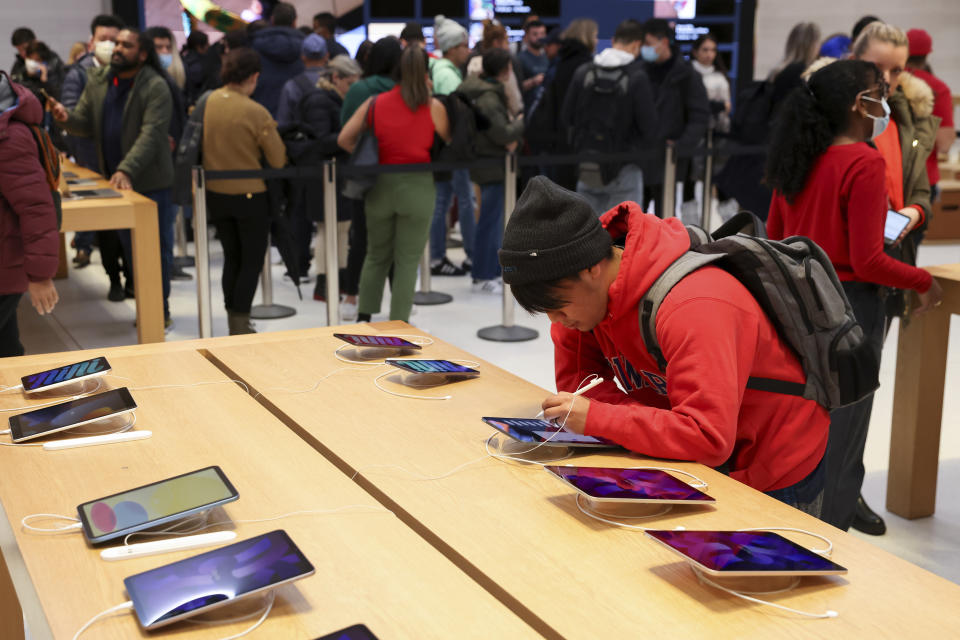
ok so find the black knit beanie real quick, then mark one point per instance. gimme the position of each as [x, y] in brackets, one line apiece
[553, 233]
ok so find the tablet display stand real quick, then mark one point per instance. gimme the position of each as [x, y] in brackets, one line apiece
[625, 510]
[534, 452]
[77, 388]
[369, 355]
[749, 585]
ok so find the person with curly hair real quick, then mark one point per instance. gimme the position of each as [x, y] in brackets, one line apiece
[829, 185]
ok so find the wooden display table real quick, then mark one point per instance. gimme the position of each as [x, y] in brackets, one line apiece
[918, 402]
[139, 214]
[518, 532]
[370, 567]
[945, 223]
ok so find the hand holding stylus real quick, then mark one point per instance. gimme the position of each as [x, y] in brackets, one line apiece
[560, 405]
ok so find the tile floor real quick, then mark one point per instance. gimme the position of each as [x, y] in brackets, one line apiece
[85, 319]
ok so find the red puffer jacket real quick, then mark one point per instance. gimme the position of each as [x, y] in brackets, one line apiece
[29, 246]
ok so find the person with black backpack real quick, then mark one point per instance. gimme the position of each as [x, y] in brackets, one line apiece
[829, 185]
[724, 388]
[315, 57]
[609, 108]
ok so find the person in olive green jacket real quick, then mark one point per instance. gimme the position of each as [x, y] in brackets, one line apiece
[126, 108]
[504, 133]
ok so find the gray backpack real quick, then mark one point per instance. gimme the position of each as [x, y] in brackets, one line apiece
[797, 287]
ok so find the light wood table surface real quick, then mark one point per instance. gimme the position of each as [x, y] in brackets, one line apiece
[918, 402]
[370, 567]
[139, 214]
[518, 532]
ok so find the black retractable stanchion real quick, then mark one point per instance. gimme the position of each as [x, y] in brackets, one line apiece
[267, 310]
[425, 296]
[507, 331]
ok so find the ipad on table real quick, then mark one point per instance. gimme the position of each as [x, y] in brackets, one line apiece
[210, 580]
[539, 431]
[433, 367]
[67, 374]
[355, 632]
[71, 414]
[746, 553]
[93, 194]
[376, 342]
[606, 484]
[155, 504]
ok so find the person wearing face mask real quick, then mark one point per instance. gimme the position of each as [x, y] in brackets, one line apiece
[103, 35]
[36, 69]
[830, 186]
[905, 143]
[681, 101]
[126, 109]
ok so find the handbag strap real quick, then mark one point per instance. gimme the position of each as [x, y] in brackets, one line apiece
[369, 117]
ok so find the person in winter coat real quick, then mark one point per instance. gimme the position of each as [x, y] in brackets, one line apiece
[620, 118]
[681, 100]
[560, 259]
[577, 45]
[705, 61]
[503, 135]
[29, 240]
[279, 46]
[315, 58]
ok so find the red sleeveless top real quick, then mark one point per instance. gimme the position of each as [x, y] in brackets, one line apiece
[404, 136]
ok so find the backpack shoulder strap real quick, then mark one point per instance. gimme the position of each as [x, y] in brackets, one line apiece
[48, 155]
[653, 298]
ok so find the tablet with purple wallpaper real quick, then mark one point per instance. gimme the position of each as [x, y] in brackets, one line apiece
[629, 485]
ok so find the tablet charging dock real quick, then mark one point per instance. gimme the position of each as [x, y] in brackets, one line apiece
[534, 452]
[242, 609]
[78, 388]
[108, 430]
[623, 510]
[750, 585]
[373, 355]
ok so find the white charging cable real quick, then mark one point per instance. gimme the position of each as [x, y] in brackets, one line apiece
[128, 605]
[830, 613]
[423, 341]
[311, 389]
[125, 606]
[5, 389]
[57, 401]
[25, 523]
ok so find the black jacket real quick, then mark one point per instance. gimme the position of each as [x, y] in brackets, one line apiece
[544, 124]
[279, 49]
[682, 107]
[639, 132]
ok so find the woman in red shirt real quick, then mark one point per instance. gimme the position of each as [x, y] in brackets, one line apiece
[829, 185]
[399, 207]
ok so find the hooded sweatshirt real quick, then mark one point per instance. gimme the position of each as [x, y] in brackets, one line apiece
[714, 336]
[279, 49]
[29, 241]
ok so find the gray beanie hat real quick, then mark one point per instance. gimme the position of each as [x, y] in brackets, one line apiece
[447, 33]
[553, 233]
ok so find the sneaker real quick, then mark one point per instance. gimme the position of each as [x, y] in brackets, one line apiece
[348, 311]
[488, 286]
[467, 265]
[446, 268]
[167, 325]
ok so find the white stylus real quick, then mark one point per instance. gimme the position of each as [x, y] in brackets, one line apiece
[90, 441]
[579, 392]
[165, 546]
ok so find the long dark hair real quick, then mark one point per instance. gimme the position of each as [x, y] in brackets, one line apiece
[413, 78]
[809, 120]
[384, 58]
[718, 63]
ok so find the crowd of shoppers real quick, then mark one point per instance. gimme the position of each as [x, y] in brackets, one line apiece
[849, 137]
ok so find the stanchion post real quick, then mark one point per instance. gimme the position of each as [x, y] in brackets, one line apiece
[204, 303]
[707, 183]
[267, 310]
[508, 331]
[426, 296]
[669, 182]
[331, 233]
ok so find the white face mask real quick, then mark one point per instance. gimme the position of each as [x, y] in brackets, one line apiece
[880, 123]
[33, 67]
[102, 51]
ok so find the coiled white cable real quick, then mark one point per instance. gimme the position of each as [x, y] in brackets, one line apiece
[57, 401]
[830, 613]
[25, 523]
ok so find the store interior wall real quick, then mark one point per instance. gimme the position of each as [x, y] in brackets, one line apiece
[58, 23]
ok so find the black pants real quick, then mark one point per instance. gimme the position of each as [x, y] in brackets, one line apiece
[848, 425]
[350, 284]
[243, 224]
[113, 257]
[9, 332]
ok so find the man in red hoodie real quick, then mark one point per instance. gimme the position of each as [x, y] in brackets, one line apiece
[560, 259]
[29, 243]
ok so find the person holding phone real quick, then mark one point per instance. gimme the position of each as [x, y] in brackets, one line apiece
[830, 186]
